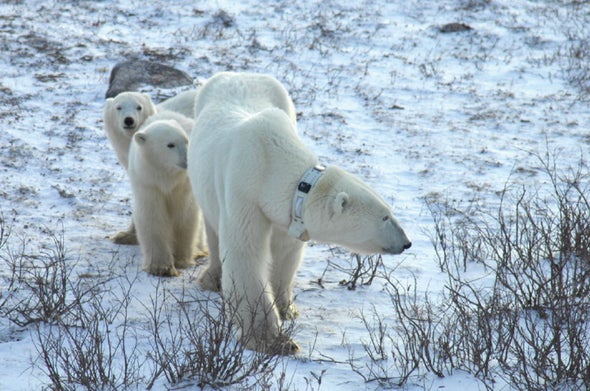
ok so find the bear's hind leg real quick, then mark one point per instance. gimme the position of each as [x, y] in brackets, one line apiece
[128, 237]
[185, 224]
[210, 276]
[201, 248]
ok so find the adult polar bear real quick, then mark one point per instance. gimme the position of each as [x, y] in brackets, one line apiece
[251, 174]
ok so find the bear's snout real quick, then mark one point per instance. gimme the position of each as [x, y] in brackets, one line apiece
[398, 249]
[129, 122]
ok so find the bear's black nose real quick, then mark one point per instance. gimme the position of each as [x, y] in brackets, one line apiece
[128, 121]
[407, 246]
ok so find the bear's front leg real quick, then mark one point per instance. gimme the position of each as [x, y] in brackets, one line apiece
[162, 270]
[250, 307]
[158, 260]
[287, 253]
[155, 234]
[246, 287]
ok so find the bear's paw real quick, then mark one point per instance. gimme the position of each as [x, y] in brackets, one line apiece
[163, 271]
[289, 312]
[200, 253]
[210, 281]
[125, 238]
[281, 345]
[184, 263]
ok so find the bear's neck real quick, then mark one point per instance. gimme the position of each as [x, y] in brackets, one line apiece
[280, 186]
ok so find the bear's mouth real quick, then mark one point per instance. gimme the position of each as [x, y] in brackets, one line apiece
[391, 250]
[395, 250]
[129, 130]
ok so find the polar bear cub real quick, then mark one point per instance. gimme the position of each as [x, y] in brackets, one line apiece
[263, 195]
[123, 115]
[164, 209]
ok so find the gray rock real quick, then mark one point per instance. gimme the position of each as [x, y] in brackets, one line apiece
[454, 27]
[130, 75]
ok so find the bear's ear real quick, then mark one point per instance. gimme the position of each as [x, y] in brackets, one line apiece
[147, 99]
[140, 138]
[340, 203]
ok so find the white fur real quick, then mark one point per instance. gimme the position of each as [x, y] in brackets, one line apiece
[183, 103]
[123, 115]
[128, 113]
[186, 123]
[164, 209]
[244, 170]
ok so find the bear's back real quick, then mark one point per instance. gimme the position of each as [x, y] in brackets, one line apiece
[245, 93]
[186, 123]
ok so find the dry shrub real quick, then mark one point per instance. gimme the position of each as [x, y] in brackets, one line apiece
[194, 342]
[357, 270]
[79, 327]
[531, 317]
[86, 339]
[525, 320]
[100, 351]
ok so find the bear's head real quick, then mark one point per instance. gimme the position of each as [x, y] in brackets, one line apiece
[129, 110]
[163, 144]
[342, 209]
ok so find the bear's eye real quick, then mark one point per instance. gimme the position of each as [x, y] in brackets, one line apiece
[386, 218]
[119, 108]
[171, 145]
[138, 108]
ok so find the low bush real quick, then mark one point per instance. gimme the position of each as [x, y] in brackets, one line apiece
[524, 320]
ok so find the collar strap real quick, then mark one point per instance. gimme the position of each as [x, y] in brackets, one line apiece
[308, 180]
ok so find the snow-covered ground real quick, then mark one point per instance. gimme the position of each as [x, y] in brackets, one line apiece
[379, 89]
